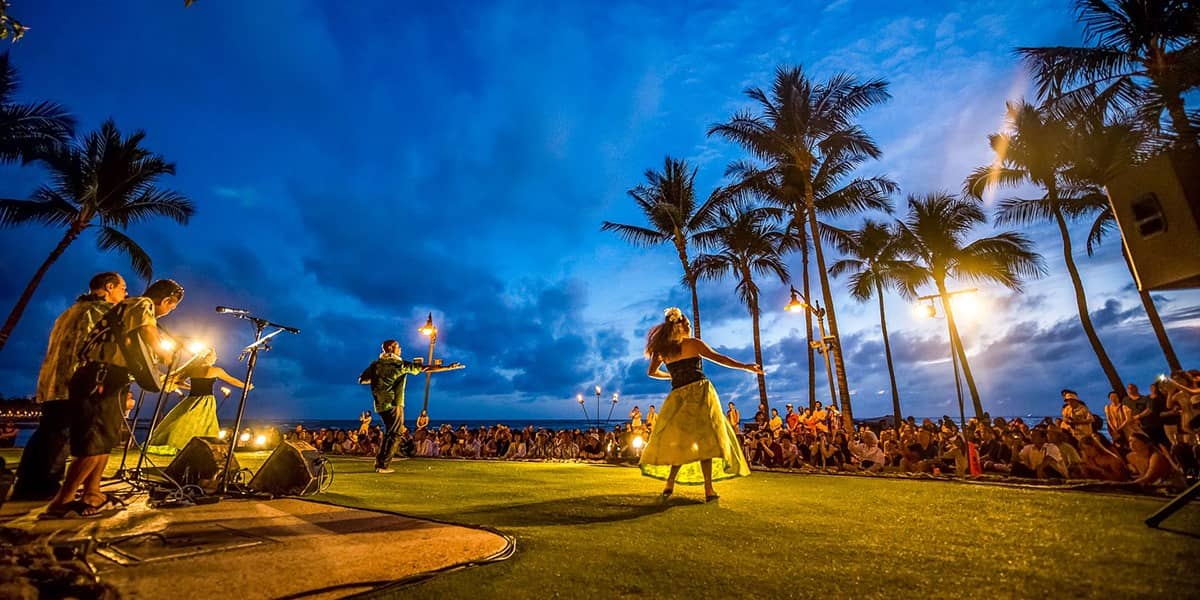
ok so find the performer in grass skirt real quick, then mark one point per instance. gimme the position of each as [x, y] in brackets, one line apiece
[195, 415]
[693, 443]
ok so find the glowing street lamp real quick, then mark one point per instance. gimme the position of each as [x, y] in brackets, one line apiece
[579, 399]
[822, 345]
[966, 301]
[608, 420]
[431, 332]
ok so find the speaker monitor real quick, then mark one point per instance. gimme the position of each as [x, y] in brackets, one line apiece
[1157, 207]
[293, 469]
[200, 462]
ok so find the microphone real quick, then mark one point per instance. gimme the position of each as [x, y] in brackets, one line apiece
[232, 311]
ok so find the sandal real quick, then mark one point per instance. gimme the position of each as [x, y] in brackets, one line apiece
[110, 506]
[77, 510]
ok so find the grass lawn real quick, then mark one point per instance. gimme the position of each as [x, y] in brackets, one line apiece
[586, 530]
[599, 531]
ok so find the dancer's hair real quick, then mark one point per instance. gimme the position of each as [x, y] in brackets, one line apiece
[666, 338]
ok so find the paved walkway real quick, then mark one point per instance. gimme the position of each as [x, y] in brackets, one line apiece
[260, 549]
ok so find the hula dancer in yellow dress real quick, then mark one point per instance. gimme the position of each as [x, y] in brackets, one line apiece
[195, 415]
[693, 443]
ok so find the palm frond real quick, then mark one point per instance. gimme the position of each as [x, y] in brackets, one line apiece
[110, 239]
[641, 237]
[48, 209]
[1020, 211]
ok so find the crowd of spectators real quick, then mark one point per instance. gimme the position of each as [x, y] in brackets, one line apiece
[1141, 440]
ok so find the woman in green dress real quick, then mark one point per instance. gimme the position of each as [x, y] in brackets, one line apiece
[195, 415]
[692, 439]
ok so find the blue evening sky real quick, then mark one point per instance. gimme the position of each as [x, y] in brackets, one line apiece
[357, 165]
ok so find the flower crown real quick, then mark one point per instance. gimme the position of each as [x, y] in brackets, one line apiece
[673, 315]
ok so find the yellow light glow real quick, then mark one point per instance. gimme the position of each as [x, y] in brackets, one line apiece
[638, 442]
[167, 344]
[794, 305]
[579, 398]
[966, 307]
[924, 310]
[260, 441]
[427, 331]
[196, 347]
[222, 434]
[597, 389]
[245, 437]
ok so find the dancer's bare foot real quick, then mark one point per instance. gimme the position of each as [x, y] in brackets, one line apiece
[667, 491]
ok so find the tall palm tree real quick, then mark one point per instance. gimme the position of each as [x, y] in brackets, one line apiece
[106, 181]
[743, 243]
[668, 200]
[934, 236]
[778, 187]
[1100, 151]
[802, 123]
[1034, 149]
[28, 130]
[1144, 57]
[875, 263]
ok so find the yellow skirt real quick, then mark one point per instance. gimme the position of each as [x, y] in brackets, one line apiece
[691, 428]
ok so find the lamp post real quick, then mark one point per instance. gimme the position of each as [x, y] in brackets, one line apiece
[821, 345]
[610, 409]
[597, 406]
[579, 399]
[430, 331]
[925, 308]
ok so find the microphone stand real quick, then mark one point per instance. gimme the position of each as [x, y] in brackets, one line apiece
[261, 342]
[158, 405]
[137, 408]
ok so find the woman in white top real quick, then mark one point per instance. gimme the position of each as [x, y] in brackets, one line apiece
[1117, 416]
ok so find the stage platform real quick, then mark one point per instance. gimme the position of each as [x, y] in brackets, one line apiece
[261, 549]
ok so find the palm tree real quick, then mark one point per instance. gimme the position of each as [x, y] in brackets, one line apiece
[1100, 151]
[874, 263]
[744, 243]
[804, 124]
[106, 181]
[1035, 150]
[668, 199]
[934, 235]
[777, 186]
[1144, 58]
[28, 130]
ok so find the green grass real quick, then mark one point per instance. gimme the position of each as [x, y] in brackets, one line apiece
[585, 530]
[600, 531]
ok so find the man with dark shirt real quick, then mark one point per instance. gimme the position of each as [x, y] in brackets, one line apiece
[387, 377]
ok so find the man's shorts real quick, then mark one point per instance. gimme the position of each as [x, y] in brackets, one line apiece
[97, 394]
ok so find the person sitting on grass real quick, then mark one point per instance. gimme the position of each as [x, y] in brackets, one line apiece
[791, 452]
[591, 449]
[1151, 464]
[1039, 459]
[913, 461]
[1100, 462]
[1075, 414]
[868, 456]
[1070, 456]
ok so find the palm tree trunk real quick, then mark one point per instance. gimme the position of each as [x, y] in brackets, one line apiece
[1085, 319]
[762, 380]
[957, 348]
[690, 276]
[1156, 323]
[27, 295]
[808, 331]
[887, 351]
[753, 306]
[839, 365]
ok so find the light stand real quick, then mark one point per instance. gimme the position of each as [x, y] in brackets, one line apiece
[430, 331]
[610, 409]
[597, 407]
[822, 345]
[261, 342]
[121, 473]
[586, 418]
[158, 405]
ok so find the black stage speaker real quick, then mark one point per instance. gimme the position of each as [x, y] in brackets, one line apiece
[293, 469]
[200, 462]
[1157, 206]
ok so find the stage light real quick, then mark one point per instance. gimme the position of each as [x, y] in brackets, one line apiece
[222, 434]
[196, 347]
[167, 344]
[245, 437]
[924, 310]
[966, 306]
[638, 442]
[260, 441]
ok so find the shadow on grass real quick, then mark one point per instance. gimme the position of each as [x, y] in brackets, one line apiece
[579, 510]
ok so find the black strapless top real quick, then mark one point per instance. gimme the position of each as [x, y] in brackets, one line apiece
[685, 371]
[202, 386]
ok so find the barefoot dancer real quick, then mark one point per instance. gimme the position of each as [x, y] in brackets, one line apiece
[195, 415]
[691, 433]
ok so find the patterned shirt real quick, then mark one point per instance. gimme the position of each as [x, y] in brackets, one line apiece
[104, 343]
[70, 331]
[387, 377]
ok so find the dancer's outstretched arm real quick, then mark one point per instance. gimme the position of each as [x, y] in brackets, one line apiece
[705, 351]
[221, 374]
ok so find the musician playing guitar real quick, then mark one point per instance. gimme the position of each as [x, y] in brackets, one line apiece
[122, 343]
